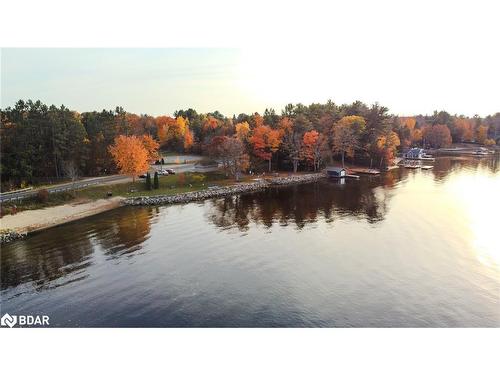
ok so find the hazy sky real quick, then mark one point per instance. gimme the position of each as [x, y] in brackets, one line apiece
[159, 81]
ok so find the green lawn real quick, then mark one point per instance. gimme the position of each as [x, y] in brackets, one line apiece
[172, 184]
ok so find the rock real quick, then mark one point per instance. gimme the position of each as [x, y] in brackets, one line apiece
[8, 236]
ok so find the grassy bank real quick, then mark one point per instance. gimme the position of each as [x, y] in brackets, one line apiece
[169, 185]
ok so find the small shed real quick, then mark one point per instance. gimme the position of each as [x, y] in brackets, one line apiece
[336, 172]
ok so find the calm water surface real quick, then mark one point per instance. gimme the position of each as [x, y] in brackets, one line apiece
[410, 248]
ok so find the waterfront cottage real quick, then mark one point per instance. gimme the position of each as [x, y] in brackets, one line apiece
[415, 153]
[336, 172]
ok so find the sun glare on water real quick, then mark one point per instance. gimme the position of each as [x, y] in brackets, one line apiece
[479, 197]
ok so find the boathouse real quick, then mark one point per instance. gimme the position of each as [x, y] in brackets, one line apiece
[336, 172]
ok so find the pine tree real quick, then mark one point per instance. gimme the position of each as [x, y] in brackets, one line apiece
[148, 182]
[156, 182]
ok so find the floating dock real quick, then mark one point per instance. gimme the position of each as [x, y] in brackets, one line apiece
[415, 164]
[412, 164]
[425, 158]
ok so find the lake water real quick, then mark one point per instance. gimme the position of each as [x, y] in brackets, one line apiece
[410, 248]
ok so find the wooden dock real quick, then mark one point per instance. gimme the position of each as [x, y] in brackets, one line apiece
[364, 170]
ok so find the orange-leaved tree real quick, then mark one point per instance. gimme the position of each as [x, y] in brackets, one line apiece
[130, 155]
[172, 131]
[346, 135]
[265, 142]
[387, 144]
[410, 135]
[163, 123]
[464, 130]
[178, 128]
[210, 123]
[481, 134]
[258, 120]
[437, 135]
[188, 139]
[151, 147]
[242, 130]
[315, 145]
[416, 136]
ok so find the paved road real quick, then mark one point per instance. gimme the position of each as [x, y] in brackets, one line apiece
[106, 180]
[17, 195]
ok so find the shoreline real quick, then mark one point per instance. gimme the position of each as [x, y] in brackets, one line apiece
[18, 226]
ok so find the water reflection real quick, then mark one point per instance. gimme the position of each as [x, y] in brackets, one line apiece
[66, 251]
[125, 234]
[28, 262]
[302, 204]
[366, 199]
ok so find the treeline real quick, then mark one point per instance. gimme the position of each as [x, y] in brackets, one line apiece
[42, 142]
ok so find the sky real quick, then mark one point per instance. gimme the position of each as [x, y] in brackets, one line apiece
[405, 78]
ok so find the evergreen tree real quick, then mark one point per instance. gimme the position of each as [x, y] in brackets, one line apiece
[156, 181]
[148, 182]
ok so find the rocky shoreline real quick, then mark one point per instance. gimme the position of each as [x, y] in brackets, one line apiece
[223, 190]
[8, 235]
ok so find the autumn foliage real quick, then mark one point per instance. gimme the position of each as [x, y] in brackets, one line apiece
[151, 147]
[315, 145]
[386, 146]
[346, 135]
[242, 130]
[265, 142]
[437, 135]
[130, 155]
[39, 140]
[188, 140]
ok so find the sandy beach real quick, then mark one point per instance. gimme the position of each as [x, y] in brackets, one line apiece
[33, 220]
